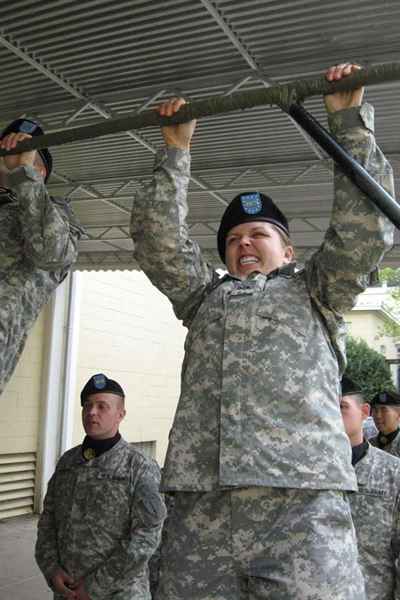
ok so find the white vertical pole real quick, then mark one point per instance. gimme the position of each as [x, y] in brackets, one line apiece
[71, 362]
[51, 417]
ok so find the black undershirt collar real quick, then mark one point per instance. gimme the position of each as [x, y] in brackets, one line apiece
[93, 448]
[386, 438]
[358, 452]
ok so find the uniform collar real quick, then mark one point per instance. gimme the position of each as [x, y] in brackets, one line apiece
[286, 271]
[385, 439]
[93, 448]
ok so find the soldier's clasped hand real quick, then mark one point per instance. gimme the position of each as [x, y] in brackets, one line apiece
[177, 136]
[346, 99]
[9, 142]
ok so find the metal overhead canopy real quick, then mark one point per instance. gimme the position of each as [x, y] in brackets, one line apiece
[68, 62]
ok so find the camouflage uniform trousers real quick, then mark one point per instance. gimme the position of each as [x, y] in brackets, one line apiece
[258, 544]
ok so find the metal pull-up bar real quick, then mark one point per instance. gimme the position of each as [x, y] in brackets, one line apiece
[354, 171]
[282, 95]
[288, 96]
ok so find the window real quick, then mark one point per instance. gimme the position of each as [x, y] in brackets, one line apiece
[146, 448]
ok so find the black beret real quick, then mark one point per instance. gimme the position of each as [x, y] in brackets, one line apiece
[100, 383]
[386, 399]
[349, 386]
[32, 128]
[245, 208]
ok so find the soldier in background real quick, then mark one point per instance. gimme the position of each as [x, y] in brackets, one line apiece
[103, 512]
[258, 459]
[155, 561]
[38, 242]
[375, 508]
[386, 414]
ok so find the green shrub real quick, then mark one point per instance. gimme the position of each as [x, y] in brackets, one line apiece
[368, 368]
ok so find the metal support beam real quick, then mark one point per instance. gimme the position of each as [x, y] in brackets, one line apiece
[224, 190]
[108, 242]
[16, 48]
[72, 105]
[76, 114]
[122, 187]
[227, 29]
[254, 166]
[304, 172]
[238, 176]
[106, 230]
[312, 226]
[237, 86]
[87, 189]
[106, 114]
[252, 62]
[150, 100]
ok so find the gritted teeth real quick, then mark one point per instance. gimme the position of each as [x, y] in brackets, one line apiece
[247, 260]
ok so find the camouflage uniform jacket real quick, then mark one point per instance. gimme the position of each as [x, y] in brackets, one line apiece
[38, 244]
[392, 448]
[102, 521]
[259, 402]
[375, 511]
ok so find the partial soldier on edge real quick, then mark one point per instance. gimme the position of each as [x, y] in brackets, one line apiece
[386, 414]
[258, 457]
[375, 507]
[155, 561]
[103, 512]
[38, 242]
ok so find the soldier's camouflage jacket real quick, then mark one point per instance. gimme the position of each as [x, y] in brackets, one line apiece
[375, 511]
[259, 402]
[38, 244]
[102, 521]
[392, 448]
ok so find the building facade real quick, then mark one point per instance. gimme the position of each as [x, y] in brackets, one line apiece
[114, 322]
[367, 320]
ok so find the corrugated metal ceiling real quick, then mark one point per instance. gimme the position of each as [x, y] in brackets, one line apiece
[76, 62]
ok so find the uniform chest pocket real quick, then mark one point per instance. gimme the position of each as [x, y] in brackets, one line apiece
[373, 510]
[284, 320]
[108, 497]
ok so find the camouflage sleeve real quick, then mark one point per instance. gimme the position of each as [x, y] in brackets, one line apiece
[159, 230]
[358, 234]
[46, 550]
[155, 560]
[396, 550]
[50, 229]
[133, 552]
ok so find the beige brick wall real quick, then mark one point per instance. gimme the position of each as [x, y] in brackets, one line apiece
[128, 331]
[21, 400]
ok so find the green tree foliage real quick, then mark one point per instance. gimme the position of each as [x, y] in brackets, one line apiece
[367, 368]
[392, 278]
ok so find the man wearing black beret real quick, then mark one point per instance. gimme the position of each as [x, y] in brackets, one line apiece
[258, 459]
[38, 241]
[386, 414]
[375, 507]
[103, 512]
